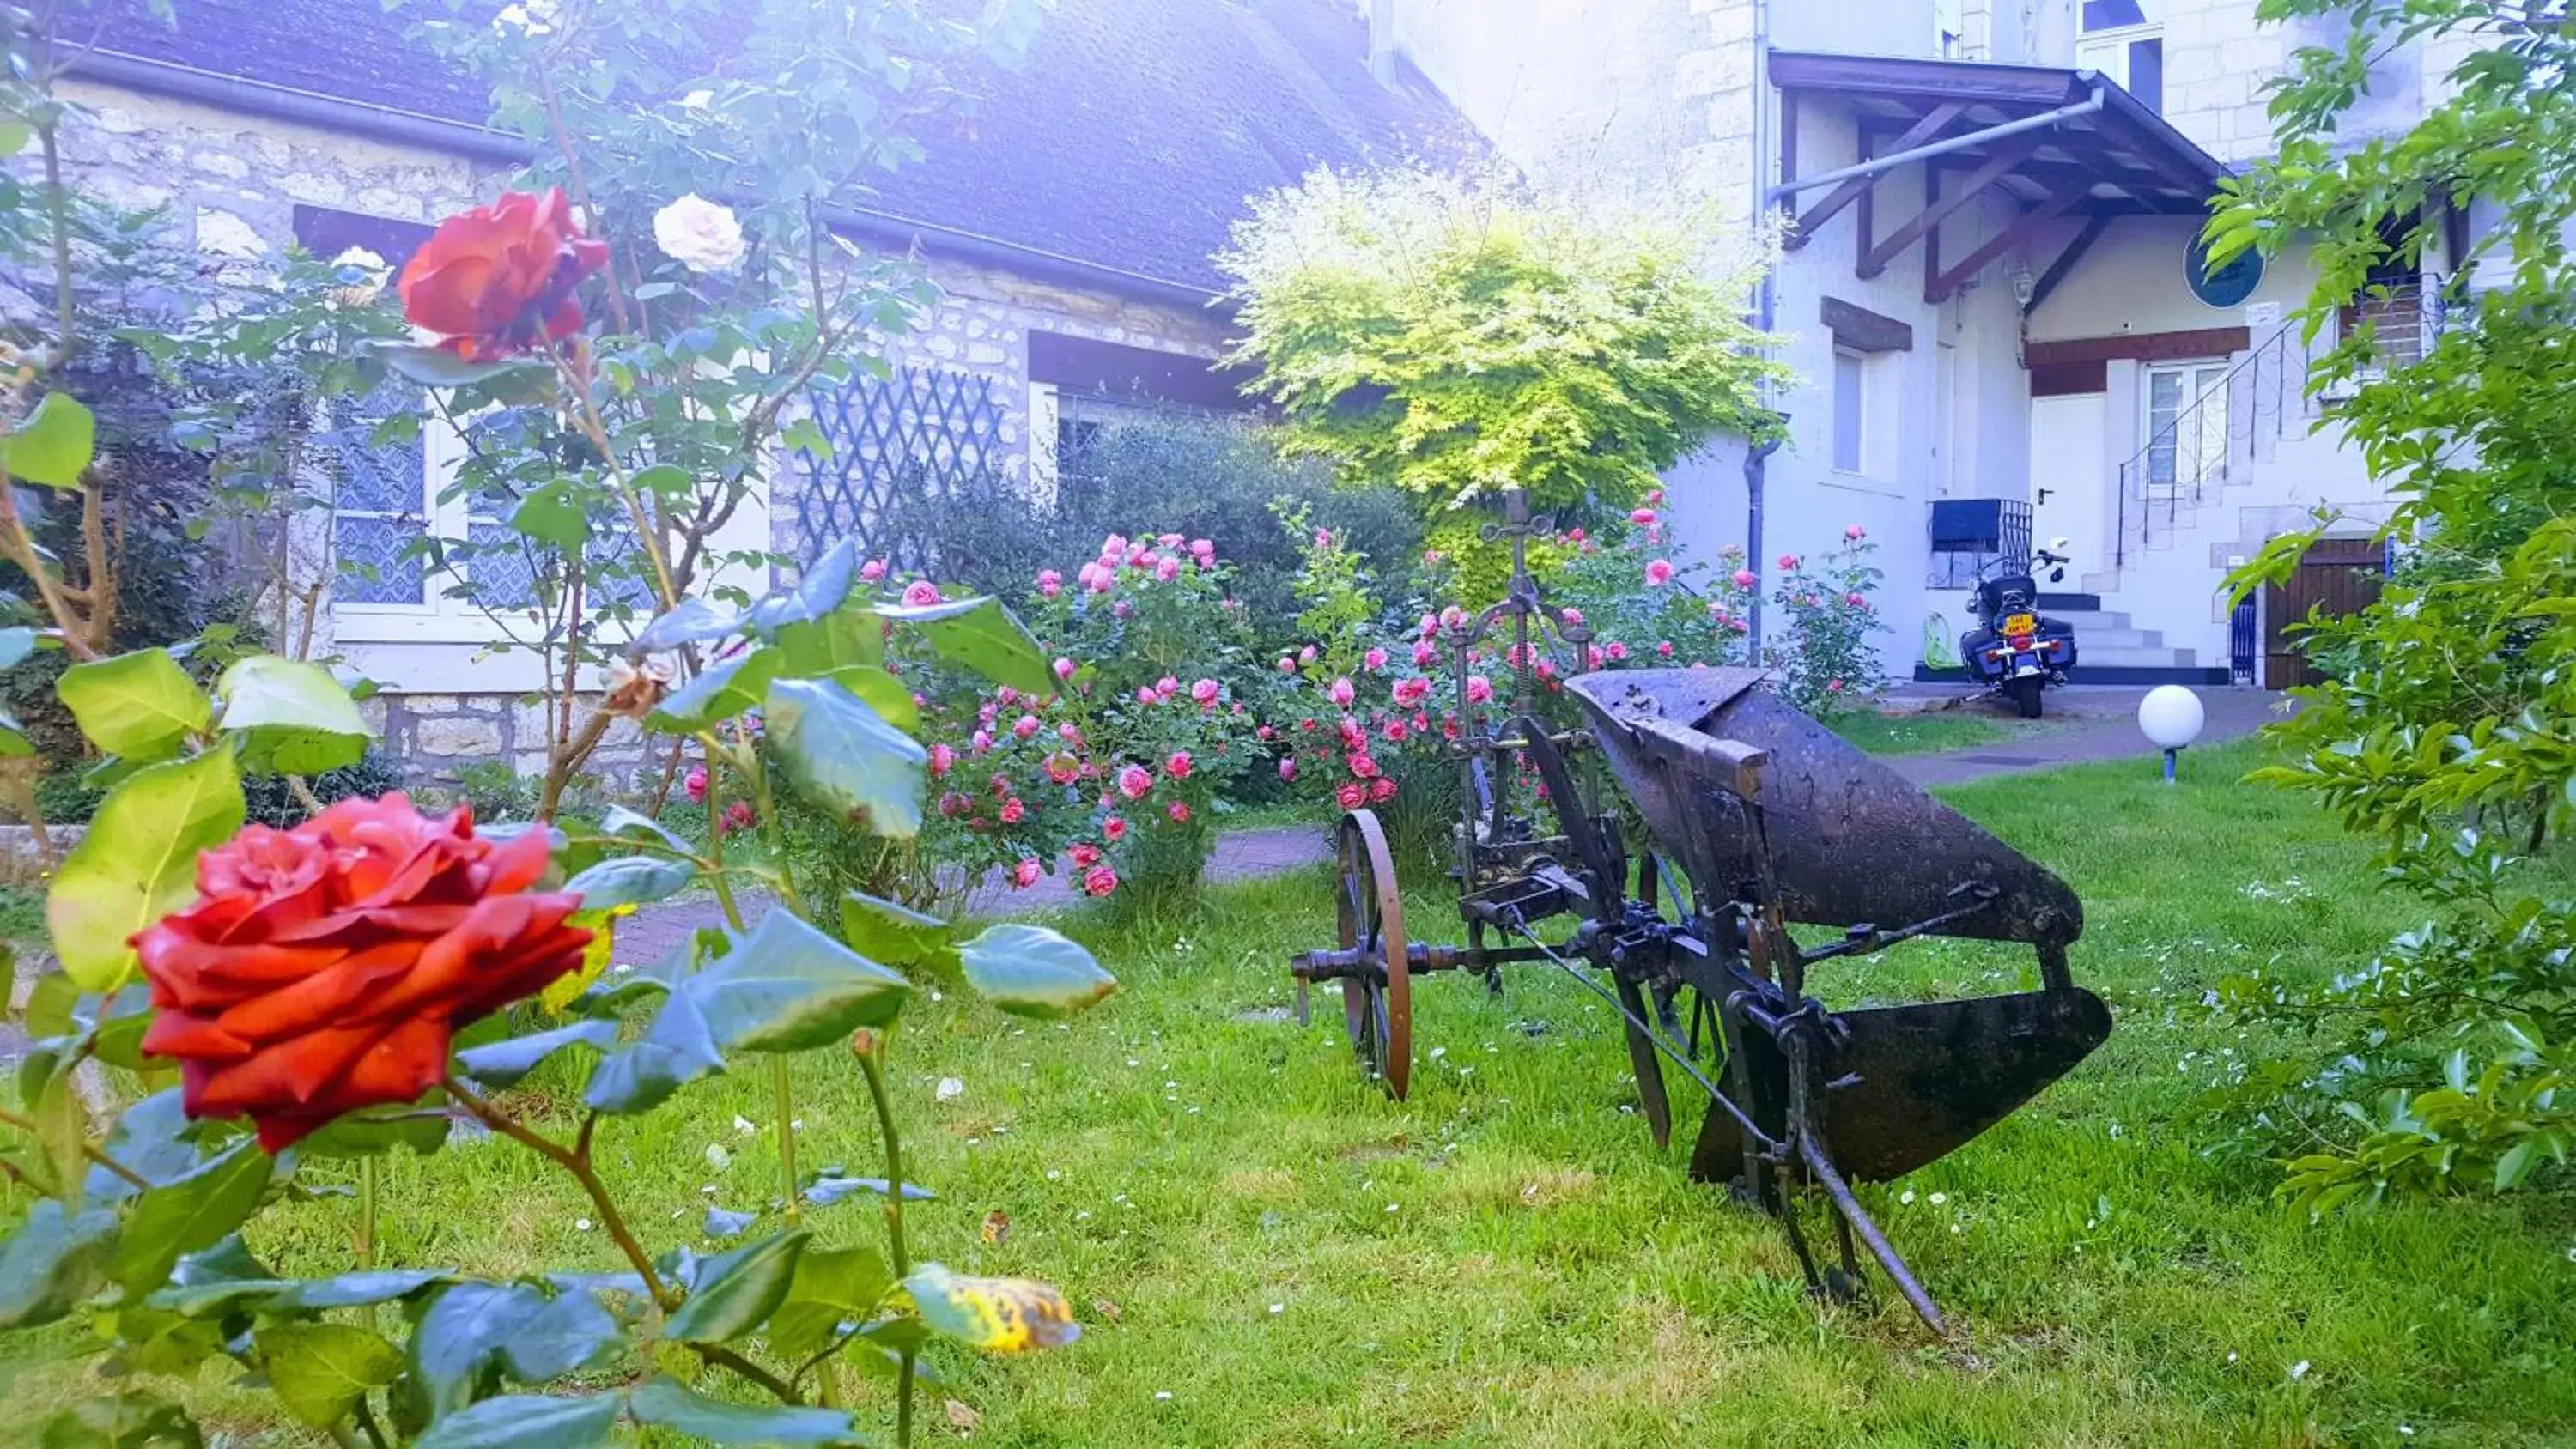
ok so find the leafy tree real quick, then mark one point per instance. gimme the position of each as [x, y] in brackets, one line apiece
[2450, 736]
[1457, 336]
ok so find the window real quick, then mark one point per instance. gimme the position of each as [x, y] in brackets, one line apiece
[2186, 428]
[1851, 409]
[381, 489]
[2124, 40]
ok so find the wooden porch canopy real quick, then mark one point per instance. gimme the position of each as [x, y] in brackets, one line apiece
[2054, 142]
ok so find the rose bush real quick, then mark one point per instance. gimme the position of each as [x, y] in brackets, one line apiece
[1646, 601]
[326, 967]
[1828, 662]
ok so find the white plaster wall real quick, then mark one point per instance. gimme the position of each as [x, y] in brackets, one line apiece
[2132, 281]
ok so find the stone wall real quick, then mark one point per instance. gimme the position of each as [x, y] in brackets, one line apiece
[437, 737]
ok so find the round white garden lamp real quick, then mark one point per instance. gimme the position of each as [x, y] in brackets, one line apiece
[2171, 717]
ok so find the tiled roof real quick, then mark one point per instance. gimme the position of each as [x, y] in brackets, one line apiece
[1129, 140]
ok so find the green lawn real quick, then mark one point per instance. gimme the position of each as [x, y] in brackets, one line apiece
[1268, 1253]
[1927, 734]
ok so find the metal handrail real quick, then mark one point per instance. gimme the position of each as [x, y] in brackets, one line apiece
[2245, 380]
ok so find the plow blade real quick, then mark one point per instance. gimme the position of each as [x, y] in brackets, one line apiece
[1911, 1083]
[1851, 841]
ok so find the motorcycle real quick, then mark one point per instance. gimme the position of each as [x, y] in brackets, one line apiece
[2019, 651]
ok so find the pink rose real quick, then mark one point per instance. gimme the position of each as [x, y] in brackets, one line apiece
[1013, 811]
[1178, 812]
[1659, 572]
[1178, 766]
[920, 593]
[1100, 880]
[1425, 655]
[696, 784]
[1575, 535]
[1654, 498]
[1049, 576]
[1746, 578]
[1380, 791]
[980, 742]
[1205, 693]
[1085, 856]
[1115, 543]
[1788, 561]
[1166, 687]
[1203, 551]
[1063, 769]
[1026, 873]
[1306, 655]
[1351, 795]
[1287, 767]
[1833, 686]
[873, 570]
[1025, 726]
[1145, 695]
[1373, 661]
[1479, 689]
[1341, 693]
[1409, 692]
[1364, 767]
[1641, 515]
[1617, 651]
[1287, 665]
[1135, 782]
[1101, 579]
[1064, 669]
[942, 759]
[1167, 569]
[1665, 648]
[1855, 533]
[1394, 732]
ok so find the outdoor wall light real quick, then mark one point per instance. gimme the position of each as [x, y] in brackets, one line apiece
[2171, 717]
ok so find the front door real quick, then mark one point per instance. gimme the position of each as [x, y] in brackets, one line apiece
[2068, 465]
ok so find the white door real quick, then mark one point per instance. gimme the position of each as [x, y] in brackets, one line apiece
[2069, 491]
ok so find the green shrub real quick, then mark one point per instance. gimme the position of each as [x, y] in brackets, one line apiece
[272, 803]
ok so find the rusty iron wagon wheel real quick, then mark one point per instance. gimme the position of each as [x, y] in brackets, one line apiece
[1370, 915]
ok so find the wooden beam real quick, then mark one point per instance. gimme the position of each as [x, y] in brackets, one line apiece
[1940, 288]
[2011, 153]
[2066, 260]
[2113, 161]
[1933, 123]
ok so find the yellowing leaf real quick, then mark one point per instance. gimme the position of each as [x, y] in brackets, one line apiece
[602, 926]
[997, 1315]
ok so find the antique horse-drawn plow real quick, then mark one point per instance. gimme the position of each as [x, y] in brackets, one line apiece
[1759, 817]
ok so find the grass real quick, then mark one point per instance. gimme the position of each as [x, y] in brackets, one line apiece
[1932, 733]
[1267, 1253]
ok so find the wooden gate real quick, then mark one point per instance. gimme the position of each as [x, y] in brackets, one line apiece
[2337, 576]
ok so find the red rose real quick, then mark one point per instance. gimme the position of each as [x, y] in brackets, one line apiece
[323, 968]
[495, 280]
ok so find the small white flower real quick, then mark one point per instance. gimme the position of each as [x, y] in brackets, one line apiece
[1054, 1173]
[2231, 1357]
[1161, 1395]
[744, 1126]
[1906, 1197]
[950, 1089]
[1278, 1307]
[1939, 1198]
[581, 1225]
[1390, 1207]
[699, 234]
[2298, 1370]
[1438, 1052]
[717, 1157]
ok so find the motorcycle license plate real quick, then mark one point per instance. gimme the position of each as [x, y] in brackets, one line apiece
[2021, 624]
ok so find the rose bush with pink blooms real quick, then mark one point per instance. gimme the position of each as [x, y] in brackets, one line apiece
[1824, 661]
[1646, 600]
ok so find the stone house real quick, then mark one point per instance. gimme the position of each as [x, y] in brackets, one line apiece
[1069, 232]
[1989, 284]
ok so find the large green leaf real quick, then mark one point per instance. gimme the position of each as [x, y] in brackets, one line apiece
[140, 705]
[14, 743]
[527, 1421]
[884, 693]
[694, 621]
[438, 367]
[898, 935]
[149, 1142]
[736, 1292]
[832, 1285]
[674, 1051]
[138, 863]
[192, 1212]
[635, 825]
[788, 987]
[663, 1402]
[825, 583]
[15, 645]
[631, 880]
[62, 1123]
[373, 1131]
[53, 445]
[552, 514]
[52, 1262]
[292, 718]
[319, 1371]
[571, 1333]
[843, 757]
[718, 693]
[1033, 971]
[503, 1063]
[125, 1420]
[460, 1336]
[216, 1296]
[981, 635]
[842, 639]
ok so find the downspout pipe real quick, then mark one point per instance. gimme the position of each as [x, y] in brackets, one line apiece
[1757, 464]
[1757, 456]
[481, 143]
[1879, 165]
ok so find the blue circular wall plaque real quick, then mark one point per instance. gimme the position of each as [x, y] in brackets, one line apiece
[2229, 285]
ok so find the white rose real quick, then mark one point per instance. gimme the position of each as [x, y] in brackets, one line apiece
[699, 234]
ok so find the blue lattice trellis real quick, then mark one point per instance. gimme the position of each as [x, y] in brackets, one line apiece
[924, 434]
[379, 491]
